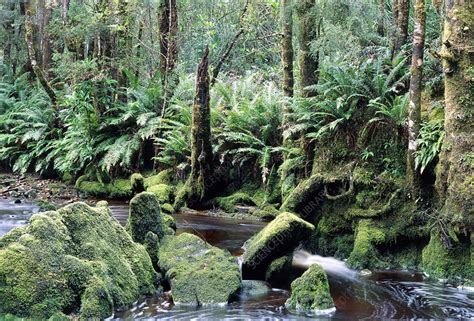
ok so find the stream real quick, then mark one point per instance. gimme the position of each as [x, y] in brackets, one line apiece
[381, 295]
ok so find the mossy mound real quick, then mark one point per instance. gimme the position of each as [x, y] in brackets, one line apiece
[279, 270]
[163, 192]
[137, 182]
[267, 212]
[197, 272]
[116, 189]
[439, 261]
[228, 203]
[78, 259]
[145, 216]
[278, 238]
[167, 208]
[163, 177]
[364, 254]
[310, 293]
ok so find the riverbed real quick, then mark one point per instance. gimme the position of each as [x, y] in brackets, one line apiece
[381, 295]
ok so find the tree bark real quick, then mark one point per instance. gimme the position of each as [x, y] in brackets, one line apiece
[455, 173]
[414, 108]
[287, 47]
[34, 63]
[10, 33]
[168, 48]
[201, 148]
[381, 22]
[308, 32]
[403, 8]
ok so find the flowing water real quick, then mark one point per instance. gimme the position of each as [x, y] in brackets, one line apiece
[381, 295]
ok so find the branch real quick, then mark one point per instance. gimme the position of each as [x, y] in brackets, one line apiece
[225, 56]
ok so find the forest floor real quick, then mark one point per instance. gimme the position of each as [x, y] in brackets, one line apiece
[21, 188]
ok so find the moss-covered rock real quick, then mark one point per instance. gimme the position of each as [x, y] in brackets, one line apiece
[198, 273]
[279, 237]
[267, 212]
[163, 192]
[365, 254]
[163, 177]
[77, 259]
[169, 221]
[145, 216]
[228, 203]
[440, 262]
[137, 182]
[116, 189]
[167, 208]
[310, 293]
[279, 270]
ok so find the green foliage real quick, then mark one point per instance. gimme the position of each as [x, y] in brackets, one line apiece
[429, 143]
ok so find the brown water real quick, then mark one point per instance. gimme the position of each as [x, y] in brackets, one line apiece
[383, 295]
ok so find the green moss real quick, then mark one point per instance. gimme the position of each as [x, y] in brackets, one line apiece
[303, 194]
[117, 189]
[440, 262]
[267, 212]
[278, 238]
[137, 182]
[169, 221]
[145, 216]
[163, 192]
[167, 208]
[365, 254]
[46, 205]
[228, 203]
[279, 270]
[163, 177]
[253, 288]
[77, 259]
[198, 272]
[310, 293]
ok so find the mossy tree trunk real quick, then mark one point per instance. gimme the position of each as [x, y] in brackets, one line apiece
[381, 21]
[168, 48]
[401, 16]
[287, 47]
[455, 174]
[308, 32]
[30, 43]
[201, 148]
[414, 108]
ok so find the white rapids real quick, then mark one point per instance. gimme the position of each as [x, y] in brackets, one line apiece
[331, 265]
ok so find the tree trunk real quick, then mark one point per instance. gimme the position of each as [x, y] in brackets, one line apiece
[9, 38]
[199, 182]
[287, 47]
[402, 23]
[168, 48]
[455, 173]
[414, 109]
[381, 22]
[308, 32]
[32, 57]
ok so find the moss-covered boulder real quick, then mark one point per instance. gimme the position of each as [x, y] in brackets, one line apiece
[310, 293]
[163, 192]
[137, 182]
[77, 259]
[439, 261]
[278, 238]
[116, 189]
[365, 253]
[145, 216]
[163, 177]
[254, 289]
[279, 270]
[197, 272]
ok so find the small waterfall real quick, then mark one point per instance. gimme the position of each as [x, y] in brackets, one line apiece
[331, 265]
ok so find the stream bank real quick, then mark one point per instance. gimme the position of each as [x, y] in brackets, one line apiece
[382, 295]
